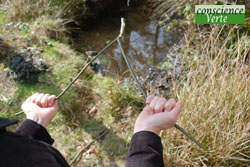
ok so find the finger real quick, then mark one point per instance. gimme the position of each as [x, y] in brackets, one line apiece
[33, 98]
[38, 99]
[44, 101]
[159, 106]
[177, 109]
[149, 99]
[169, 105]
[153, 103]
[146, 112]
[54, 105]
[51, 100]
[28, 99]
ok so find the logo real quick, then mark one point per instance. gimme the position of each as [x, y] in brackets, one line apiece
[219, 14]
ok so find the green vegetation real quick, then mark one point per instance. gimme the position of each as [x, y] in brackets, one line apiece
[215, 87]
[74, 127]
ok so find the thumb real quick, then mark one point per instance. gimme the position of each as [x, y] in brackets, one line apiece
[177, 109]
[51, 100]
[53, 105]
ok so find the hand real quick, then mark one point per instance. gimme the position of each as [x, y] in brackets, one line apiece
[40, 108]
[159, 114]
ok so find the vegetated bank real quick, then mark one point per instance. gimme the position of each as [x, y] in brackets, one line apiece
[215, 89]
[37, 56]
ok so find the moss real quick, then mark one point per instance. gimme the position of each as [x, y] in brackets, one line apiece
[2, 20]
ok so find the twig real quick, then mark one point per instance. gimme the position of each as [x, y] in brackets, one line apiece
[130, 68]
[84, 68]
[189, 136]
[128, 2]
[87, 146]
[122, 28]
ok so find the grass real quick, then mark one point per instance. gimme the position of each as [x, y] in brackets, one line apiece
[73, 127]
[216, 94]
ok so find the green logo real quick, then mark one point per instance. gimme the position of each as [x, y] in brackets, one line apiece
[219, 14]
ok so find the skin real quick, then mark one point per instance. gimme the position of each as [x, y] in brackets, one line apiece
[159, 114]
[40, 108]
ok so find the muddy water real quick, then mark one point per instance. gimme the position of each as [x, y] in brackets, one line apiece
[145, 43]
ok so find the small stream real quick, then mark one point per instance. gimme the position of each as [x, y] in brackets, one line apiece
[145, 43]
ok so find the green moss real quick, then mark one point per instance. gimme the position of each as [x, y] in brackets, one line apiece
[2, 19]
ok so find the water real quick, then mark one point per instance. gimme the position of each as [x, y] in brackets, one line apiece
[145, 43]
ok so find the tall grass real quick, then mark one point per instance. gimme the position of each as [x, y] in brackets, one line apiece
[216, 93]
[217, 110]
[26, 10]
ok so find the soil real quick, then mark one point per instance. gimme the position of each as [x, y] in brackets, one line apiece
[26, 66]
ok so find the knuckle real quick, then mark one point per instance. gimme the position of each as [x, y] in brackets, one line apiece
[163, 99]
[157, 97]
[168, 107]
[172, 100]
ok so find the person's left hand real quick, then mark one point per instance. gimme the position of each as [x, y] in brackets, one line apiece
[40, 108]
[159, 114]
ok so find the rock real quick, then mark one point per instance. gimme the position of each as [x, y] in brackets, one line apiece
[91, 53]
[25, 66]
[42, 51]
[96, 67]
[50, 44]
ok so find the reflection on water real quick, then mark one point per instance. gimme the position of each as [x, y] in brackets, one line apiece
[145, 43]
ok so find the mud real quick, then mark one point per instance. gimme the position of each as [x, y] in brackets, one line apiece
[25, 66]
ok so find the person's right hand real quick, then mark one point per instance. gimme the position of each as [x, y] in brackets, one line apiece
[159, 114]
[40, 108]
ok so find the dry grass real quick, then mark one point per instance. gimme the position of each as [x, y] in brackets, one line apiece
[26, 10]
[217, 97]
[217, 110]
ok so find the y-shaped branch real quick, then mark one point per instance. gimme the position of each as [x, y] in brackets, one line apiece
[118, 39]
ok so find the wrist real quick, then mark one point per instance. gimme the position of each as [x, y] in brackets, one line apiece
[153, 130]
[37, 120]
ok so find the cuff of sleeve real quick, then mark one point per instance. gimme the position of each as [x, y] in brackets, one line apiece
[147, 138]
[145, 147]
[35, 131]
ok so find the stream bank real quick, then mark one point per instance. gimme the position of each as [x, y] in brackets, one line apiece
[150, 49]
